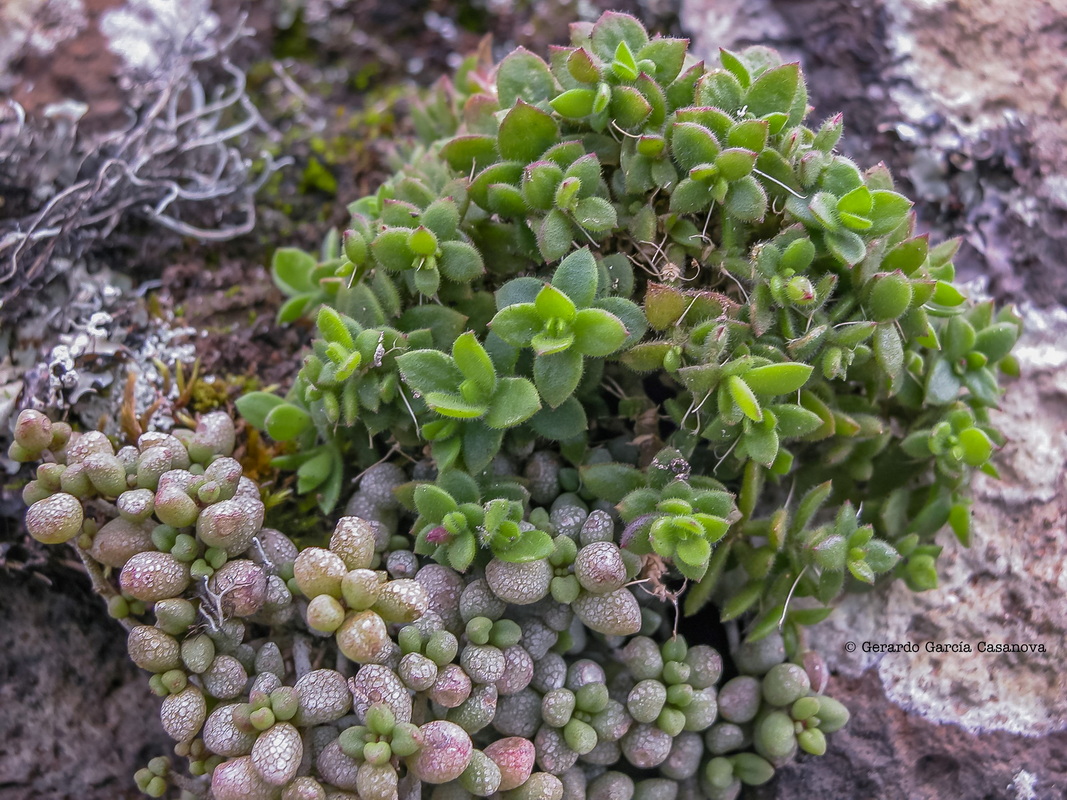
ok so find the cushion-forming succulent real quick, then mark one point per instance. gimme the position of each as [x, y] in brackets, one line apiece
[623, 336]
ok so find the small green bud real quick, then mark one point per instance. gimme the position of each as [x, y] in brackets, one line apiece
[719, 772]
[377, 753]
[680, 695]
[580, 736]
[118, 607]
[410, 639]
[752, 769]
[215, 556]
[676, 672]
[565, 589]
[478, 630]
[262, 719]
[775, 735]
[352, 740]
[441, 648]
[671, 721]
[380, 719]
[185, 548]
[592, 698]
[406, 739]
[325, 613]
[805, 708]
[675, 648]
[832, 715]
[174, 680]
[784, 684]
[285, 702]
[890, 296]
[506, 633]
[198, 653]
[812, 741]
[200, 570]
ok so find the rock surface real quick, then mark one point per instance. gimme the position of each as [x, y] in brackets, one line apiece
[77, 715]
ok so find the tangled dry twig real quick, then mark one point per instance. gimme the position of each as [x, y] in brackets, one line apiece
[182, 163]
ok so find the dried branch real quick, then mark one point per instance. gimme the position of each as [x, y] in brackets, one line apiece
[181, 163]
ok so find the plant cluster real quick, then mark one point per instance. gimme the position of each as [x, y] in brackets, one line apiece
[622, 334]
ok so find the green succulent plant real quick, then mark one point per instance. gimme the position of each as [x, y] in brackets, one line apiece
[622, 333]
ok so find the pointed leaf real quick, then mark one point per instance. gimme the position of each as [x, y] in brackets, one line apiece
[545, 343]
[526, 132]
[598, 332]
[693, 144]
[881, 556]
[429, 371]
[291, 269]
[776, 379]
[691, 196]
[942, 384]
[735, 66]
[761, 445]
[888, 211]
[530, 546]
[750, 134]
[480, 444]
[564, 422]
[467, 153]
[596, 214]
[472, 360]
[976, 445]
[861, 571]
[795, 421]
[518, 290]
[461, 552]
[444, 324]
[333, 328]
[577, 276]
[551, 303]
[295, 307]
[667, 54]
[286, 421]
[557, 376]
[314, 472]
[735, 163]
[694, 551]
[517, 324]
[610, 481]
[741, 601]
[847, 246]
[742, 395]
[515, 402]
[808, 506]
[391, 250]
[889, 351]
[613, 28]
[629, 314]
[574, 103]
[441, 217]
[460, 262]
[554, 235]
[453, 405]
[773, 91]
[433, 503]
[523, 75]
[746, 200]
